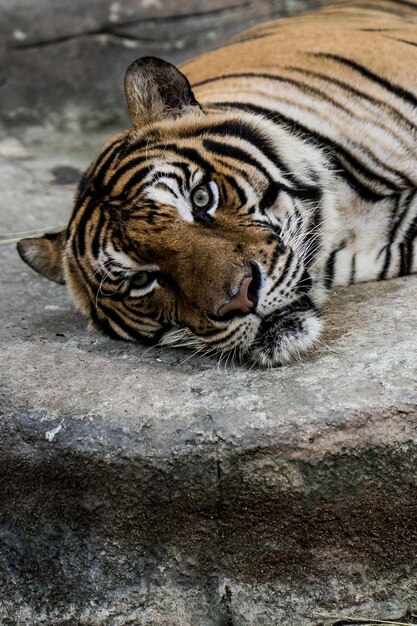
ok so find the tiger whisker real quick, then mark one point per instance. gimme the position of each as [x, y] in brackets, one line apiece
[193, 354]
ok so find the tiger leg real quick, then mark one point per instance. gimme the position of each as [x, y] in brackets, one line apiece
[382, 243]
[398, 255]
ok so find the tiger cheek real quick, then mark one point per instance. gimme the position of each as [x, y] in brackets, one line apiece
[194, 320]
[77, 288]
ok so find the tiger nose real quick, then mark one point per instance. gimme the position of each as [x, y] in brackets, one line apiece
[240, 302]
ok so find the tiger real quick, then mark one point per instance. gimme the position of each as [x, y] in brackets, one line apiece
[253, 180]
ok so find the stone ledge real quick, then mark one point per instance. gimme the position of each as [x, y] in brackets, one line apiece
[151, 488]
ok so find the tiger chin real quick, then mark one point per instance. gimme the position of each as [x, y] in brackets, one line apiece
[222, 218]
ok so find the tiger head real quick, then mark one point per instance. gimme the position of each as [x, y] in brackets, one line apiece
[196, 226]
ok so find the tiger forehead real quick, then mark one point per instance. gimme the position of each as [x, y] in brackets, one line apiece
[144, 169]
[189, 140]
[166, 180]
[212, 145]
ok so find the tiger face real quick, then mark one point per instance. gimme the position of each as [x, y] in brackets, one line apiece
[196, 227]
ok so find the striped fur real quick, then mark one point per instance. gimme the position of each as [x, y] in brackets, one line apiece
[303, 133]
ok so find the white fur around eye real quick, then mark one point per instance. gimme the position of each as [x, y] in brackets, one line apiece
[139, 293]
[196, 178]
[184, 205]
[165, 197]
[215, 192]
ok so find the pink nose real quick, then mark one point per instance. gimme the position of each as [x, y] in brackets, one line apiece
[239, 302]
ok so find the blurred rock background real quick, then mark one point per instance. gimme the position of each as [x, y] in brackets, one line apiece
[62, 63]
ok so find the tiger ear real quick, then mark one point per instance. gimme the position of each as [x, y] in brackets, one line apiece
[156, 90]
[44, 255]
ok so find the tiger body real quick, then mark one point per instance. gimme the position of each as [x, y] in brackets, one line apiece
[344, 77]
[223, 217]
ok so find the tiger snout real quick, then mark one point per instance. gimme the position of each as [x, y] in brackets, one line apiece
[227, 300]
[245, 299]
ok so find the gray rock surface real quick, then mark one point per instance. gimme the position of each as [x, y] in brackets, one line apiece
[63, 63]
[151, 487]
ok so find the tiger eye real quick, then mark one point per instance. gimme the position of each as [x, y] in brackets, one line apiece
[201, 197]
[141, 279]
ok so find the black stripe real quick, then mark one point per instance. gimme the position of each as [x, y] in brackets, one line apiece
[383, 273]
[364, 71]
[323, 142]
[305, 87]
[284, 272]
[220, 341]
[130, 305]
[101, 170]
[161, 185]
[240, 192]
[308, 192]
[191, 154]
[143, 144]
[269, 197]
[255, 75]
[222, 188]
[362, 190]
[353, 269]
[114, 145]
[185, 168]
[103, 325]
[405, 207]
[405, 3]
[124, 169]
[355, 92]
[151, 215]
[235, 169]
[274, 187]
[311, 242]
[138, 177]
[240, 130]
[172, 176]
[244, 131]
[251, 38]
[409, 240]
[410, 43]
[404, 269]
[335, 103]
[375, 7]
[140, 174]
[275, 256]
[79, 236]
[330, 266]
[305, 283]
[77, 267]
[320, 141]
[129, 330]
[102, 222]
[233, 152]
[361, 168]
[411, 231]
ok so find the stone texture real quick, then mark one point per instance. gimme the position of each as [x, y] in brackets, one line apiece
[63, 63]
[151, 487]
